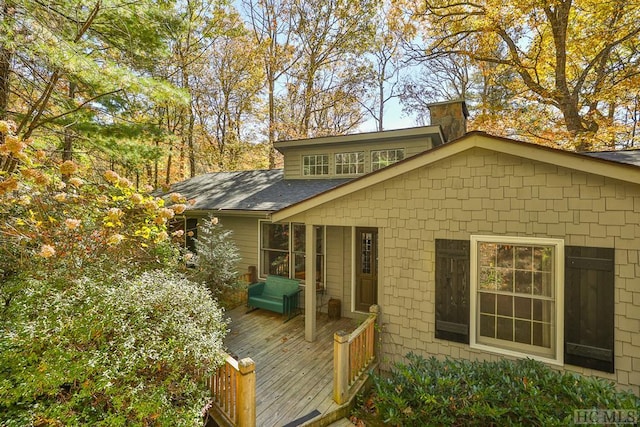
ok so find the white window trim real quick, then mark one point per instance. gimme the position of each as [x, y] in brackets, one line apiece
[357, 153]
[291, 252]
[386, 150]
[315, 155]
[559, 297]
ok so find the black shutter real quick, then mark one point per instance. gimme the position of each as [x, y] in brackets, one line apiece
[588, 307]
[452, 290]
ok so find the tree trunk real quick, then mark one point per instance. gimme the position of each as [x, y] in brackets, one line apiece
[190, 144]
[272, 120]
[381, 106]
[67, 148]
[5, 61]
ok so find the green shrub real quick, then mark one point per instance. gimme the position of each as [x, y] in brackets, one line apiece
[216, 262]
[464, 393]
[114, 351]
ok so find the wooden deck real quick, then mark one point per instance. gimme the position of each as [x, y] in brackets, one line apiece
[293, 377]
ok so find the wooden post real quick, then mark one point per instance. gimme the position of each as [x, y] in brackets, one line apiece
[340, 367]
[253, 274]
[310, 283]
[246, 393]
[375, 310]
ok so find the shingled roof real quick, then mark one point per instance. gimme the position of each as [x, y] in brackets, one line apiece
[631, 157]
[254, 190]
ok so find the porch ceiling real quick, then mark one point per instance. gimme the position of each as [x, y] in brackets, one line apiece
[293, 377]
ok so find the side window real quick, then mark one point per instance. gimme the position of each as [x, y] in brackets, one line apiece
[350, 163]
[383, 158]
[515, 294]
[315, 164]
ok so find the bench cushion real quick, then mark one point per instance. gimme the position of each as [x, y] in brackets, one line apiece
[270, 294]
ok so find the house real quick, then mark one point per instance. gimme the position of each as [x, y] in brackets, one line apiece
[478, 248]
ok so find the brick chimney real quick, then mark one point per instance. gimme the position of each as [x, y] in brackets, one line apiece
[451, 116]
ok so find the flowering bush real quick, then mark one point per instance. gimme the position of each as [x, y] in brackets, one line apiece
[50, 218]
[92, 332]
[112, 351]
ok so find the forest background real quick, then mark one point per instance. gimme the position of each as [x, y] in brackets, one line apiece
[163, 90]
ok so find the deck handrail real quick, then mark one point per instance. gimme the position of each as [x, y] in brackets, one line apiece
[233, 393]
[353, 353]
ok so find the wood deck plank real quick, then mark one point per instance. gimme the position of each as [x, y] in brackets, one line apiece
[293, 377]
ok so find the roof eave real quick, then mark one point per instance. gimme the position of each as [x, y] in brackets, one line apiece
[475, 139]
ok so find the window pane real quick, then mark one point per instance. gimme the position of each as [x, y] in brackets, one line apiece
[524, 258]
[275, 236]
[505, 305]
[542, 334]
[319, 239]
[487, 303]
[523, 282]
[319, 270]
[522, 307]
[487, 326]
[504, 329]
[299, 266]
[275, 263]
[504, 256]
[505, 279]
[523, 332]
[487, 254]
[542, 310]
[488, 278]
[543, 284]
[299, 237]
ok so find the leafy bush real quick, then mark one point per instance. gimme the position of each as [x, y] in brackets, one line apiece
[461, 393]
[111, 351]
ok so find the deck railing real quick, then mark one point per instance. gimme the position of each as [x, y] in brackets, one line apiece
[233, 392]
[353, 353]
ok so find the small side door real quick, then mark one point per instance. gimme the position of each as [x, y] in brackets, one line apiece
[366, 268]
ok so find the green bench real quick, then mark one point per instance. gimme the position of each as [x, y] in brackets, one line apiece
[278, 294]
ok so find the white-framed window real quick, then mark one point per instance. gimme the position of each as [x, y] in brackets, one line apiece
[283, 251]
[274, 249]
[349, 163]
[516, 296]
[315, 164]
[383, 158]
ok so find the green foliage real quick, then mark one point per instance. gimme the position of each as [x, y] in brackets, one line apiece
[464, 393]
[217, 257]
[91, 331]
[111, 351]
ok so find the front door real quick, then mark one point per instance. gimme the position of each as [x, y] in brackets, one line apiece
[366, 268]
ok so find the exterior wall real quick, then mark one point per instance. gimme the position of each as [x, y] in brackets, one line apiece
[484, 192]
[245, 235]
[339, 268]
[293, 156]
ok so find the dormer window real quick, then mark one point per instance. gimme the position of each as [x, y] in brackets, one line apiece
[350, 163]
[383, 158]
[315, 164]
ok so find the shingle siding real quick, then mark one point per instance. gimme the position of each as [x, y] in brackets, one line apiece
[484, 192]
